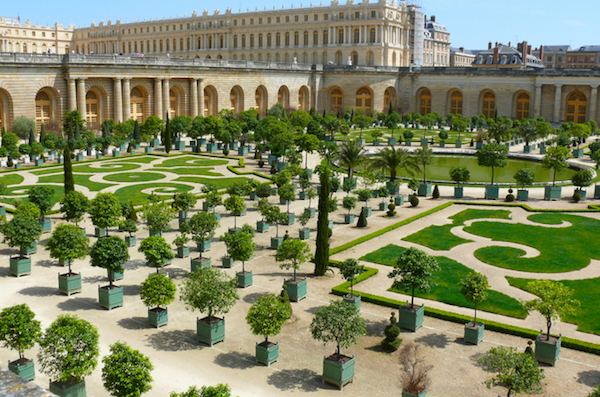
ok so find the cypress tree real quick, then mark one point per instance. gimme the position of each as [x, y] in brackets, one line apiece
[77, 132]
[324, 112]
[322, 250]
[42, 134]
[362, 219]
[136, 132]
[390, 109]
[167, 136]
[436, 192]
[68, 171]
[31, 137]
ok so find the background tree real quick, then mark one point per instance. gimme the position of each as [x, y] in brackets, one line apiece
[157, 251]
[582, 178]
[349, 269]
[184, 201]
[349, 203]
[580, 132]
[554, 301]
[110, 253]
[340, 323]
[105, 210]
[68, 243]
[202, 226]
[240, 246]
[292, 253]
[492, 155]
[158, 290]
[220, 390]
[322, 241]
[556, 160]
[74, 205]
[362, 122]
[414, 270]
[351, 155]
[23, 126]
[21, 231]
[18, 328]
[267, 316]
[394, 160]
[126, 372]
[307, 143]
[42, 197]
[524, 177]
[235, 205]
[517, 372]
[424, 157]
[460, 174]
[414, 375]
[475, 289]
[392, 120]
[209, 291]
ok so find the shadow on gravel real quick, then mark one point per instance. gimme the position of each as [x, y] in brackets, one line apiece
[95, 280]
[589, 378]
[134, 264]
[305, 380]
[131, 290]
[39, 291]
[73, 304]
[475, 359]
[176, 273]
[50, 263]
[377, 328]
[434, 340]
[173, 341]
[235, 360]
[134, 323]
[251, 298]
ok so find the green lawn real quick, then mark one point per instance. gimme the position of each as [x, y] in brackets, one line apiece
[48, 170]
[11, 179]
[587, 292]
[220, 183]
[447, 289]
[204, 171]
[59, 192]
[80, 179]
[146, 159]
[561, 249]
[105, 167]
[440, 238]
[191, 161]
[134, 177]
[134, 193]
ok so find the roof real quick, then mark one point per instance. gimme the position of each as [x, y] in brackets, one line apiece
[557, 48]
[455, 49]
[589, 48]
[506, 56]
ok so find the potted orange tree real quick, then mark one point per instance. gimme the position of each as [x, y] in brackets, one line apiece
[266, 317]
[22, 231]
[475, 289]
[349, 270]
[110, 253]
[20, 331]
[66, 244]
[158, 291]
[292, 253]
[202, 227]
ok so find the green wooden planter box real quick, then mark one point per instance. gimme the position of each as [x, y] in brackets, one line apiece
[267, 354]
[458, 192]
[479, 145]
[99, 232]
[577, 153]
[20, 266]
[474, 335]
[458, 144]
[2, 211]
[79, 157]
[262, 227]
[212, 147]
[123, 146]
[180, 145]
[311, 211]
[155, 142]
[233, 145]
[348, 218]
[183, 214]
[424, 142]
[227, 262]
[376, 142]
[375, 193]
[338, 374]
[99, 156]
[523, 195]
[276, 242]
[18, 165]
[392, 141]
[69, 284]
[110, 298]
[210, 333]
[280, 166]
[115, 153]
[491, 192]
[304, 234]
[200, 263]
[296, 290]
[399, 200]
[383, 206]
[442, 143]
[360, 141]
[158, 317]
[244, 280]
[542, 150]
[552, 192]
[393, 189]
[25, 370]
[206, 207]
[596, 194]
[330, 225]
[409, 319]
[148, 149]
[39, 162]
[114, 276]
[368, 211]
[157, 233]
[291, 218]
[68, 389]
[424, 189]
[253, 196]
[328, 138]
[183, 252]
[204, 246]
[408, 142]
[527, 149]
[302, 196]
[354, 299]
[582, 193]
[547, 352]
[274, 191]
[421, 394]
[131, 241]
[32, 249]
[243, 151]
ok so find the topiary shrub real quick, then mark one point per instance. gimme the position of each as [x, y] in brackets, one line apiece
[362, 219]
[576, 197]
[285, 298]
[391, 343]
[261, 163]
[510, 198]
[273, 170]
[414, 201]
[391, 209]
[436, 192]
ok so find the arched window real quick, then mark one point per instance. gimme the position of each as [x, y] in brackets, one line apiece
[174, 104]
[236, 97]
[576, 107]
[389, 97]
[91, 110]
[260, 40]
[296, 39]
[269, 40]
[364, 99]
[210, 101]
[268, 57]
[354, 58]
[278, 40]
[522, 106]
[235, 41]
[315, 38]
[340, 36]
[43, 109]
[315, 58]
[137, 104]
[425, 102]
[221, 41]
[287, 39]
[303, 98]
[251, 41]
[356, 37]
[305, 58]
[336, 100]
[489, 105]
[456, 102]
[338, 58]
[243, 41]
[261, 100]
[305, 38]
[283, 96]
[372, 35]
[277, 58]
[259, 57]
[210, 42]
[325, 37]
[324, 58]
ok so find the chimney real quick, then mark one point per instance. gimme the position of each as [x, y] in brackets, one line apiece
[496, 56]
[509, 43]
[462, 49]
[433, 18]
[528, 50]
[542, 53]
[490, 45]
[496, 46]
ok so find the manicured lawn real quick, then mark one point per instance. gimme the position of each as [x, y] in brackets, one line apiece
[440, 238]
[220, 183]
[561, 249]
[146, 159]
[204, 171]
[587, 292]
[106, 166]
[59, 192]
[165, 191]
[11, 179]
[191, 161]
[80, 179]
[49, 170]
[448, 288]
[134, 177]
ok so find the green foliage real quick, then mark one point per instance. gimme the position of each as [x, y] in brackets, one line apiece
[267, 316]
[72, 120]
[436, 192]
[423, 157]
[21, 231]
[68, 243]
[524, 177]
[518, 372]
[285, 299]
[362, 219]
[24, 149]
[152, 126]
[69, 349]
[220, 390]
[110, 253]
[209, 291]
[391, 343]
[42, 197]
[158, 290]
[105, 210]
[414, 270]
[351, 155]
[28, 209]
[492, 155]
[157, 251]
[414, 201]
[158, 216]
[349, 269]
[10, 141]
[322, 240]
[74, 205]
[126, 372]
[349, 203]
[582, 178]
[23, 126]
[340, 323]
[292, 253]
[475, 288]
[18, 328]
[556, 159]
[554, 301]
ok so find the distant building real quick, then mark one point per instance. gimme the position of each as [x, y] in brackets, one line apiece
[436, 47]
[27, 38]
[585, 57]
[506, 56]
[553, 56]
[461, 58]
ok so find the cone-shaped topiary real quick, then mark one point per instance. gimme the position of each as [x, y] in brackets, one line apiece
[362, 219]
[436, 192]
[391, 343]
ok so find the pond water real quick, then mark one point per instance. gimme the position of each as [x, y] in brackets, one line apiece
[441, 166]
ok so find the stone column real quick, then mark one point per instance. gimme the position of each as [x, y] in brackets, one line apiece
[166, 99]
[593, 103]
[194, 97]
[118, 105]
[72, 94]
[81, 97]
[126, 99]
[201, 96]
[557, 102]
[158, 98]
[537, 101]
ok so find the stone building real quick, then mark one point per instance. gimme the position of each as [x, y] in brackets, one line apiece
[585, 57]
[461, 58]
[507, 57]
[27, 38]
[436, 47]
[553, 56]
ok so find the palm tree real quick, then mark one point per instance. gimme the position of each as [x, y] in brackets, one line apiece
[350, 155]
[423, 157]
[394, 160]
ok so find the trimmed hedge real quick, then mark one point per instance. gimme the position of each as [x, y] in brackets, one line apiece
[591, 207]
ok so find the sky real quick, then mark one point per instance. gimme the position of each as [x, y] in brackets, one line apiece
[472, 23]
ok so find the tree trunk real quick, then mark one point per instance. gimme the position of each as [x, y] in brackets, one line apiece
[243, 267]
[412, 298]
[492, 175]
[549, 324]
[554, 178]
[475, 318]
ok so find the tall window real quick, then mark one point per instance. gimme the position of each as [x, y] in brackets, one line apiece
[137, 104]
[278, 40]
[174, 106]
[296, 39]
[576, 107]
[354, 58]
[260, 40]
[43, 109]
[243, 41]
[425, 102]
[456, 103]
[372, 35]
[522, 106]
[91, 110]
[287, 39]
[336, 100]
[251, 41]
[340, 36]
[235, 43]
[389, 97]
[303, 98]
[315, 38]
[325, 37]
[489, 105]
[356, 36]
[364, 99]
[269, 40]
[305, 38]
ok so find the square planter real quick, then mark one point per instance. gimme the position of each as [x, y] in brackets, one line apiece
[424, 142]
[328, 138]
[582, 193]
[596, 194]
[474, 333]
[330, 225]
[479, 145]
[99, 156]
[274, 192]
[348, 218]
[110, 298]
[131, 241]
[360, 141]
[183, 252]
[137, 146]
[46, 225]
[491, 192]
[376, 142]
[32, 249]
[296, 289]
[210, 331]
[253, 196]
[18, 166]
[233, 146]
[291, 218]
[200, 263]
[69, 283]
[522, 195]
[424, 189]
[79, 157]
[157, 233]
[116, 153]
[368, 211]
[243, 151]
[302, 196]
[392, 188]
[280, 166]
[383, 206]
[408, 142]
[206, 207]
[158, 317]
[552, 192]
[64, 263]
[458, 144]
[201, 142]
[267, 353]
[227, 262]
[114, 276]
[442, 143]
[39, 162]
[542, 149]
[338, 374]
[527, 149]
[180, 145]
[311, 212]
[2, 211]
[68, 389]
[392, 141]
[244, 280]
[458, 192]
[354, 299]
[421, 394]
[20, 266]
[182, 214]
[204, 246]
[577, 153]
[375, 193]
[276, 242]
[411, 319]
[304, 234]
[262, 227]
[99, 232]
[212, 147]
[148, 149]
[123, 146]
[23, 367]
[547, 351]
